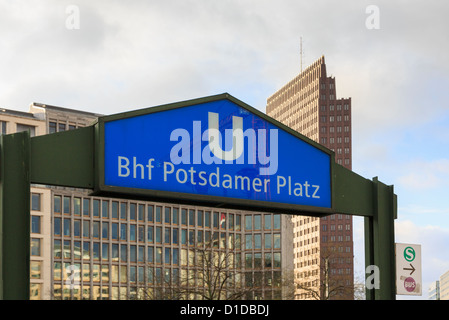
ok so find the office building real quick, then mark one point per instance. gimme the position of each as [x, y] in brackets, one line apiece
[444, 286]
[88, 247]
[434, 290]
[323, 247]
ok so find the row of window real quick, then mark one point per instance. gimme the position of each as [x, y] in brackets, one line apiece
[78, 274]
[136, 293]
[54, 126]
[323, 86]
[338, 140]
[147, 233]
[158, 214]
[347, 162]
[332, 108]
[333, 129]
[142, 253]
[333, 227]
[168, 256]
[336, 238]
[19, 128]
[266, 285]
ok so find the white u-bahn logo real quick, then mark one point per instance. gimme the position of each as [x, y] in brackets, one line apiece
[189, 149]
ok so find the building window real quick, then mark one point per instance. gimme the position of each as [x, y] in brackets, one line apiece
[277, 240]
[248, 222]
[123, 211]
[191, 218]
[248, 242]
[67, 227]
[105, 209]
[52, 127]
[67, 205]
[35, 291]
[123, 231]
[268, 240]
[35, 269]
[57, 226]
[257, 222]
[24, 127]
[96, 251]
[86, 228]
[35, 247]
[57, 204]
[86, 207]
[277, 221]
[96, 229]
[267, 220]
[35, 224]
[77, 228]
[2, 127]
[158, 214]
[36, 201]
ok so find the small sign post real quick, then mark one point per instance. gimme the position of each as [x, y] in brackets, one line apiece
[408, 269]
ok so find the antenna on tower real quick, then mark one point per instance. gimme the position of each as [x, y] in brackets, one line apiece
[300, 51]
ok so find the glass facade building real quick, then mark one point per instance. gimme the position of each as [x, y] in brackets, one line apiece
[106, 248]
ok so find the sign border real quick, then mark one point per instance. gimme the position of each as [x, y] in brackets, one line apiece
[102, 189]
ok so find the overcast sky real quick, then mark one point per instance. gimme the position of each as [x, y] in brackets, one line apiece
[391, 59]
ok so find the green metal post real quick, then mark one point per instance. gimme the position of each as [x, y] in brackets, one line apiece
[379, 241]
[15, 216]
[369, 253]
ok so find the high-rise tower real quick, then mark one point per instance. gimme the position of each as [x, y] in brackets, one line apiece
[323, 247]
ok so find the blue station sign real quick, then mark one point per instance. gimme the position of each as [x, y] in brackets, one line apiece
[214, 150]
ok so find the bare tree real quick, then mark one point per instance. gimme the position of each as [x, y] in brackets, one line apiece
[213, 274]
[216, 275]
[324, 286]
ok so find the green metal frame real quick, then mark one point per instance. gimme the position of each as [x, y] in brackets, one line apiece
[75, 159]
[15, 216]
